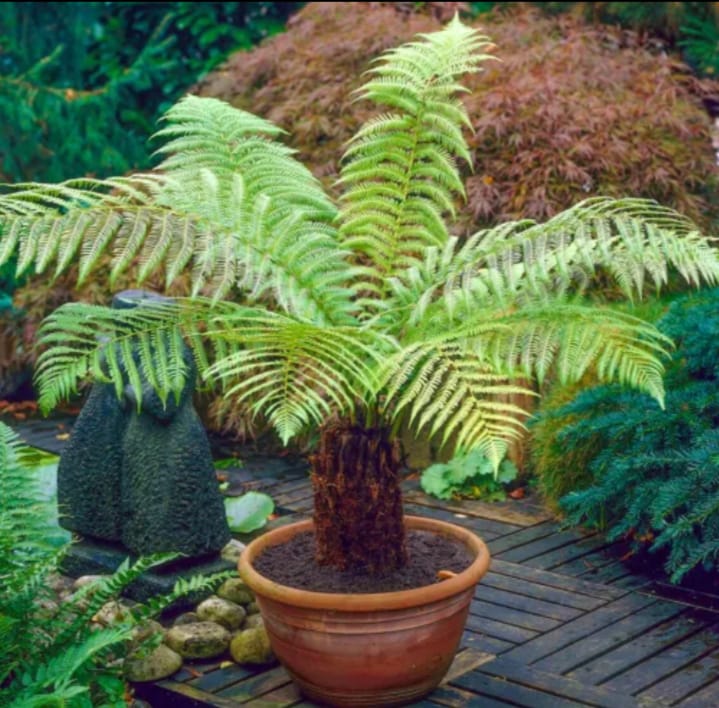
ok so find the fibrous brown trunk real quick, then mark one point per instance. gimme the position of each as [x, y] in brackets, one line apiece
[358, 500]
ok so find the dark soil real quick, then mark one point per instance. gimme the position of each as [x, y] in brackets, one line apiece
[293, 564]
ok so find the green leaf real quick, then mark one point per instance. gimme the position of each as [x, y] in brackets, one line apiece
[433, 482]
[248, 512]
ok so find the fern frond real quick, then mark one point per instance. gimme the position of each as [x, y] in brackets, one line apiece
[295, 373]
[634, 241]
[445, 388]
[569, 340]
[399, 170]
[118, 346]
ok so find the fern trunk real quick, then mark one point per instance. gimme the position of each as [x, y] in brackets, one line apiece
[358, 501]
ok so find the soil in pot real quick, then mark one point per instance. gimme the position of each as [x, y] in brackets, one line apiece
[293, 563]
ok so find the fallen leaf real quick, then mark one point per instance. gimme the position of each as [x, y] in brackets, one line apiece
[226, 664]
[517, 493]
[63, 436]
[194, 672]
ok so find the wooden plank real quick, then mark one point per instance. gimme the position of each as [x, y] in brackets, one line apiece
[293, 484]
[454, 697]
[707, 697]
[666, 663]
[527, 551]
[521, 513]
[522, 537]
[301, 493]
[589, 566]
[687, 596]
[548, 593]
[557, 580]
[575, 551]
[220, 678]
[481, 642]
[184, 695]
[685, 683]
[516, 694]
[256, 685]
[500, 630]
[639, 651]
[283, 697]
[588, 647]
[304, 506]
[576, 629]
[527, 604]
[509, 616]
[432, 512]
[558, 685]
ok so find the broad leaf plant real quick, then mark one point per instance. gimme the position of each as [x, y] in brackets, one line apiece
[359, 316]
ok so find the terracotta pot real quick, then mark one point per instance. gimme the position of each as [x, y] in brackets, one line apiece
[378, 649]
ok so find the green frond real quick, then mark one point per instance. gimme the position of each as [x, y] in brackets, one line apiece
[399, 170]
[446, 389]
[569, 339]
[117, 346]
[295, 373]
[634, 241]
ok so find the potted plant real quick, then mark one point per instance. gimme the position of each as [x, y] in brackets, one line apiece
[355, 317]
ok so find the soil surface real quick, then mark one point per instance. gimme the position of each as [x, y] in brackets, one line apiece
[293, 564]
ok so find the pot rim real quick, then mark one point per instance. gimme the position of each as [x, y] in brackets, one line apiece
[365, 602]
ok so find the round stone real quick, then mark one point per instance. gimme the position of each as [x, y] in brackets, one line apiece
[198, 640]
[251, 646]
[217, 609]
[160, 663]
[235, 590]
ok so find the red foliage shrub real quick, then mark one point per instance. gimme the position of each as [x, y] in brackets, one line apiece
[571, 110]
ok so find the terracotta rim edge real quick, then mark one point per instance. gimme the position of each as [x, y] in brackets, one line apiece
[369, 602]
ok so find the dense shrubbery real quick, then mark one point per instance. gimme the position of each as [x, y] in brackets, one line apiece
[654, 474]
[82, 84]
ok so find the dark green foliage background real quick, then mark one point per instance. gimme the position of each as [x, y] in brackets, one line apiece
[654, 475]
[82, 84]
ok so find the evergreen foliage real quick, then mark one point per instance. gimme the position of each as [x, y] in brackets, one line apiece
[653, 473]
[83, 83]
[370, 309]
[50, 654]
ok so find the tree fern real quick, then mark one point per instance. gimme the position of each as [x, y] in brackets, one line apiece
[351, 308]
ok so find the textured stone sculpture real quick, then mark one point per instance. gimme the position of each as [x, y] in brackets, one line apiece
[144, 479]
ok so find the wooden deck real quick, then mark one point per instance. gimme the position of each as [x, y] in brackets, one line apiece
[558, 621]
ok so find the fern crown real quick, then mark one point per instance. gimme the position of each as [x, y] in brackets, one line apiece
[302, 308]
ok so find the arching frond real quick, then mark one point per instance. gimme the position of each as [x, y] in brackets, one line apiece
[122, 347]
[634, 241]
[568, 340]
[443, 388]
[399, 170]
[231, 203]
[293, 372]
